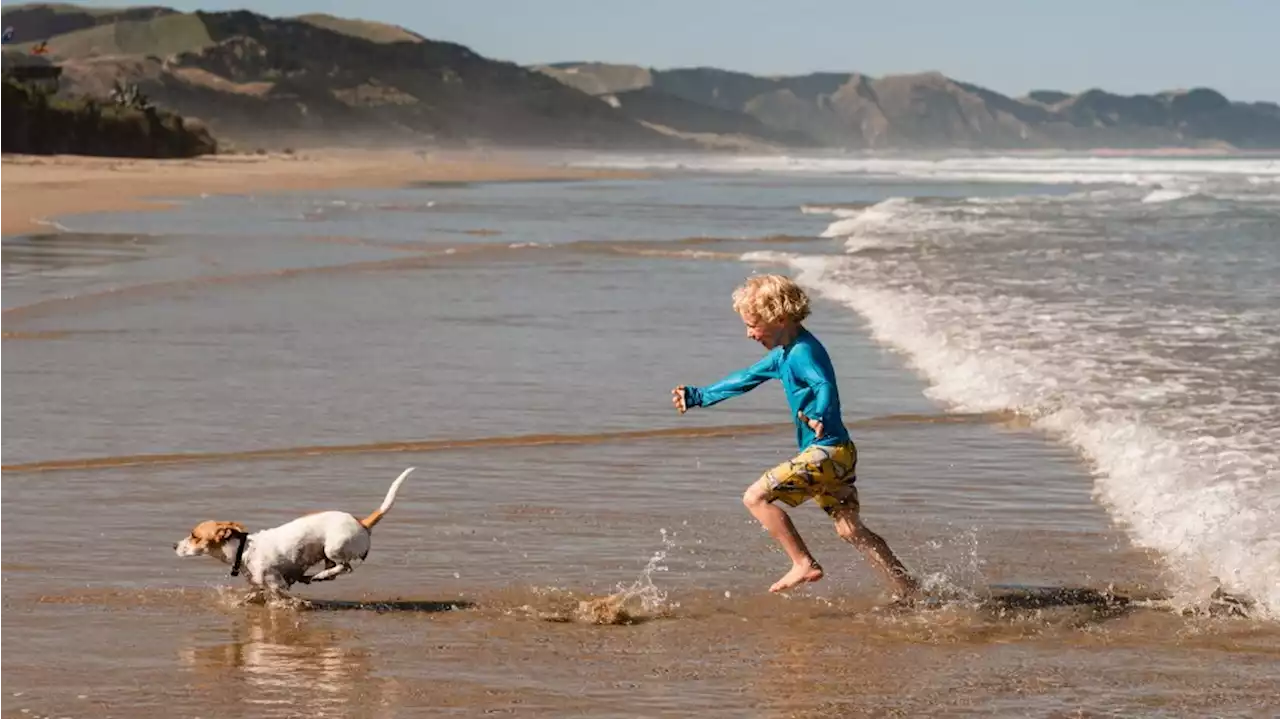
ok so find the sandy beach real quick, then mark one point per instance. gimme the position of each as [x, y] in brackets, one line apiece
[38, 189]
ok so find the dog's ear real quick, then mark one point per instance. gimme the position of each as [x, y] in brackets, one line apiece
[228, 530]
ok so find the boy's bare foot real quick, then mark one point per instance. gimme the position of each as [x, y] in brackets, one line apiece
[799, 574]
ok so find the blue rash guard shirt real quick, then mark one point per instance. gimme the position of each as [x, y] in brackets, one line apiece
[808, 379]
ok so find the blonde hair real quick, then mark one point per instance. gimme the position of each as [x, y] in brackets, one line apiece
[771, 298]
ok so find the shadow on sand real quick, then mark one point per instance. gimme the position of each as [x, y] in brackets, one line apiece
[1020, 597]
[381, 606]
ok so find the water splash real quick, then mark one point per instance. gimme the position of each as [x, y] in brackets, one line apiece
[632, 603]
[957, 579]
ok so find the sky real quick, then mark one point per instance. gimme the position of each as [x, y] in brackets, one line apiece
[1011, 46]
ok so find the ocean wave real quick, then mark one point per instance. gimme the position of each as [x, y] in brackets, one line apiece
[1187, 473]
[830, 209]
[1166, 195]
[904, 221]
[1143, 171]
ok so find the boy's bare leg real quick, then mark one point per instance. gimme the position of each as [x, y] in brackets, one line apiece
[804, 568]
[850, 528]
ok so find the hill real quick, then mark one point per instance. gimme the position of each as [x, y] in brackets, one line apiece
[372, 31]
[711, 126]
[930, 110]
[321, 79]
[41, 21]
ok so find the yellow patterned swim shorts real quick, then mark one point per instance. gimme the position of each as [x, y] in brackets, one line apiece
[825, 473]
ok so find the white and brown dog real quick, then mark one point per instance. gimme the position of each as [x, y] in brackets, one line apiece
[275, 559]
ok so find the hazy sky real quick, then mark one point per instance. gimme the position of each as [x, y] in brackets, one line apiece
[1011, 46]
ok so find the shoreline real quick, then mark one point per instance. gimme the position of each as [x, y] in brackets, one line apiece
[41, 188]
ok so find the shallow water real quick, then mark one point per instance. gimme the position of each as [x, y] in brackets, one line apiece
[258, 358]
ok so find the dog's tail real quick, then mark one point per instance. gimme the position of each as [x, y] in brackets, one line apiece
[376, 517]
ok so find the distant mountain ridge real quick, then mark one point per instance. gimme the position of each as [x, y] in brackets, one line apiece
[328, 79]
[930, 110]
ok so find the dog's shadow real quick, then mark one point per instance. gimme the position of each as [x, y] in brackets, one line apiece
[270, 600]
[382, 606]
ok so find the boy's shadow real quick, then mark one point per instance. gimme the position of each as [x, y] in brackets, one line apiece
[1105, 602]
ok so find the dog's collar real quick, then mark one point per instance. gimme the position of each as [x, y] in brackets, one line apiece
[235, 565]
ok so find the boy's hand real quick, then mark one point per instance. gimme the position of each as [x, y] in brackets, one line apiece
[815, 425]
[678, 399]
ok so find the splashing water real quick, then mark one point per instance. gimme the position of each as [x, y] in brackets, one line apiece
[957, 580]
[638, 601]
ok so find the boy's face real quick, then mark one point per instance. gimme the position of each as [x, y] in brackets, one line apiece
[769, 334]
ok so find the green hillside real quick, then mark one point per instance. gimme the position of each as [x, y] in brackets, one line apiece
[159, 36]
[372, 31]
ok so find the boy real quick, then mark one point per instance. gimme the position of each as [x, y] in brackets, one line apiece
[772, 307]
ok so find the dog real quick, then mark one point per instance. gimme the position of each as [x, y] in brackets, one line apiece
[276, 559]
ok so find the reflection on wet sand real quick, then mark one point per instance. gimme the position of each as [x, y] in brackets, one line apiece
[855, 659]
[279, 664]
[799, 676]
[704, 653]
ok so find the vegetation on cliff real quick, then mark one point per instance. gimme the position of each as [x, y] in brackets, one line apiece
[37, 123]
